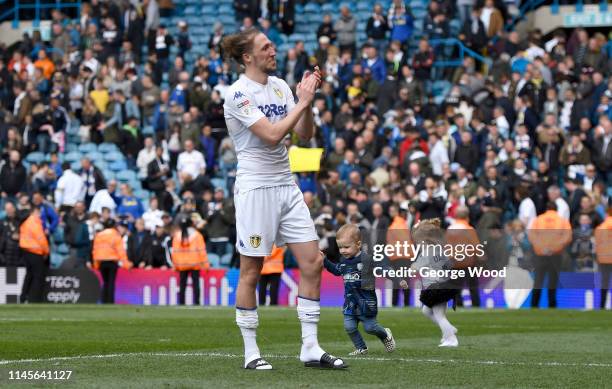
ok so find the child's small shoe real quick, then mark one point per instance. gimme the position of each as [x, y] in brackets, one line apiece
[389, 342]
[359, 351]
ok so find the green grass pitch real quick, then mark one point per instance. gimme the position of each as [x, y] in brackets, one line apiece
[128, 346]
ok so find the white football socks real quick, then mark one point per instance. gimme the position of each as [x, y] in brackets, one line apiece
[439, 313]
[248, 320]
[429, 313]
[308, 313]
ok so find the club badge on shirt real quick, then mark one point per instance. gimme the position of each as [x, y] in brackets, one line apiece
[278, 92]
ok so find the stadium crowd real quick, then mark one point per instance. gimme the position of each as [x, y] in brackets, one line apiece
[403, 139]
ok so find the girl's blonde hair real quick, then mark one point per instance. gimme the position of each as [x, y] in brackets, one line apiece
[428, 231]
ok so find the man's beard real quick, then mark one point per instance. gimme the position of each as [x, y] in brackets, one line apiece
[270, 71]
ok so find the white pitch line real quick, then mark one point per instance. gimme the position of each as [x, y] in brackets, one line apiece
[280, 356]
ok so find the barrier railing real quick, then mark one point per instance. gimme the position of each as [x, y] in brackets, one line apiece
[462, 52]
[37, 6]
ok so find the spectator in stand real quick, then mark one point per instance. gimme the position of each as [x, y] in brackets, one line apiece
[12, 177]
[105, 199]
[220, 217]
[76, 235]
[208, 145]
[216, 37]
[163, 43]
[191, 168]
[139, 245]
[183, 39]
[422, 62]
[400, 22]
[346, 28]
[376, 29]
[491, 18]
[48, 216]
[128, 205]
[93, 179]
[326, 28]
[10, 253]
[157, 171]
[153, 215]
[160, 249]
[70, 189]
[145, 157]
[373, 62]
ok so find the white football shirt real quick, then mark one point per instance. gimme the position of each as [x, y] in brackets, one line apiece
[247, 101]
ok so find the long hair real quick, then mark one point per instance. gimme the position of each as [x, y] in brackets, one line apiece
[185, 224]
[234, 46]
[428, 231]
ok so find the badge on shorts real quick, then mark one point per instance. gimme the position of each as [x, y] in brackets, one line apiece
[255, 241]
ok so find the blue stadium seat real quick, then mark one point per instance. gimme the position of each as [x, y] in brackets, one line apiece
[312, 8]
[419, 13]
[190, 10]
[107, 147]
[455, 27]
[35, 157]
[87, 148]
[209, 10]
[95, 156]
[118, 165]
[108, 174]
[329, 8]
[148, 130]
[70, 147]
[227, 20]
[214, 260]
[226, 9]
[364, 6]
[142, 195]
[75, 166]
[126, 175]
[136, 185]
[100, 163]
[218, 182]
[113, 156]
[72, 156]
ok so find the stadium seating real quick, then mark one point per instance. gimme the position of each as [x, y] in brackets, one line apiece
[35, 157]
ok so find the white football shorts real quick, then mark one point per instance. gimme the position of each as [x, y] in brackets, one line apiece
[269, 215]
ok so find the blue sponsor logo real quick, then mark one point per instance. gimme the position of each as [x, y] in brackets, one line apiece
[272, 110]
[238, 95]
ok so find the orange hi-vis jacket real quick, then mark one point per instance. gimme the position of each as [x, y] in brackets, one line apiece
[108, 246]
[549, 233]
[603, 242]
[460, 234]
[190, 255]
[273, 264]
[32, 236]
[399, 232]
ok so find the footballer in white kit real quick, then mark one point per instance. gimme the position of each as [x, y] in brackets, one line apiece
[270, 207]
[259, 112]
